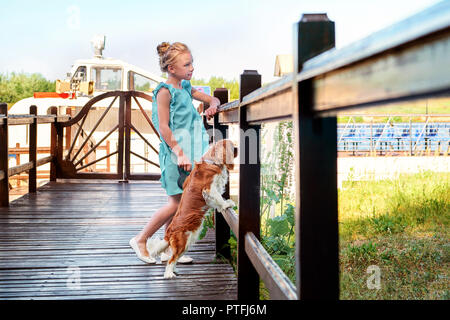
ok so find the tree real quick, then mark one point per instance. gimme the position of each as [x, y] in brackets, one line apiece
[219, 82]
[18, 86]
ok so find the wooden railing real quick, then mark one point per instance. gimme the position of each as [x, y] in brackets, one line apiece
[400, 63]
[66, 158]
[74, 162]
[33, 120]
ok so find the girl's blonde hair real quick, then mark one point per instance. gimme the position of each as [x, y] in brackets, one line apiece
[168, 53]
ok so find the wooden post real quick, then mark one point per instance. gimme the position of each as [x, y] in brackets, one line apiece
[56, 145]
[249, 190]
[108, 160]
[4, 183]
[127, 127]
[17, 163]
[68, 130]
[122, 105]
[60, 145]
[317, 250]
[222, 227]
[32, 182]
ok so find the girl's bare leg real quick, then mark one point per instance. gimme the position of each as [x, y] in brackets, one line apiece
[160, 217]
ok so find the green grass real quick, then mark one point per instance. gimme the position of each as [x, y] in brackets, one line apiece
[409, 204]
[410, 267]
[400, 226]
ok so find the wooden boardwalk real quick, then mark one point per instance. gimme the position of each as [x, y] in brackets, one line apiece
[80, 230]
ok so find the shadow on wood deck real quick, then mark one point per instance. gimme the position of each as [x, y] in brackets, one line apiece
[83, 227]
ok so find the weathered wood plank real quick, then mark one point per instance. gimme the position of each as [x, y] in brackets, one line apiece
[316, 219]
[233, 220]
[278, 284]
[20, 168]
[4, 183]
[249, 191]
[44, 160]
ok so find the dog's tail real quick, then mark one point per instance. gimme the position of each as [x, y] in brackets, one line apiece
[155, 246]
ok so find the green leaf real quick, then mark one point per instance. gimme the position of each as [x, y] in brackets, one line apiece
[290, 214]
[279, 226]
[203, 232]
[273, 196]
[208, 223]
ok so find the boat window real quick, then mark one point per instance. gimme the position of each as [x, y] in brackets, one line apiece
[139, 82]
[107, 78]
[80, 74]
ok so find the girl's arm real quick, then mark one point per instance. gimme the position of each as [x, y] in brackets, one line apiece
[163, 102]
[212, 101]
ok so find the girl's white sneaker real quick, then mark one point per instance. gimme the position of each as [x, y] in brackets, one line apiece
[135, 247]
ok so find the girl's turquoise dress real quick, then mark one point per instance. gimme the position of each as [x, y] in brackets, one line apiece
[187, 127]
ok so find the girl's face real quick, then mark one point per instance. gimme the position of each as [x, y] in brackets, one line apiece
[183, 67]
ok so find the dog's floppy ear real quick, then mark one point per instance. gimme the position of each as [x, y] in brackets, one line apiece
[219, 152]
[222, 152]
[209, 154]
[230, 150]
[230, 154]
[215, 153]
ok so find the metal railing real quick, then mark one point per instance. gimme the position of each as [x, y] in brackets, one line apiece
[396, 137]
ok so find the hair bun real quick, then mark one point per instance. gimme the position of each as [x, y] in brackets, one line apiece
[162, 48]
[169, 52]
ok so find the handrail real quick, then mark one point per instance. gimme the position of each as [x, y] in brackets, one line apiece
[403, 115]
[232, 219]
[370, 72]
[44, 160]
[20, 168]
[411, 30]
[58, 122]
[33, 120]
[420, 42]
[23, 119]
[28, 166]
[278, 284]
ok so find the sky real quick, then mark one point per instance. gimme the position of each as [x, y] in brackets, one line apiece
[225, 37]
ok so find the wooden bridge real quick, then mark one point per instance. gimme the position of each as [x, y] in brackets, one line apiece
[70, 230]
[69, 240]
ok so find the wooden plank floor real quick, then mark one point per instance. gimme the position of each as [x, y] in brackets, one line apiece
[70, 228]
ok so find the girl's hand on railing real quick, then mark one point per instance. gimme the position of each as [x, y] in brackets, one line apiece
[184, 162]
[212, 110]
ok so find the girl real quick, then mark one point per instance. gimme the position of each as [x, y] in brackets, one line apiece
[183, 136]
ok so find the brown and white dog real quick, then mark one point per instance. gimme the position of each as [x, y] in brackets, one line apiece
[202, 190]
